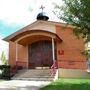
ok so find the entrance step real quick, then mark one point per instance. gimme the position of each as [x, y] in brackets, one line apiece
[34, 75]
[34, 79]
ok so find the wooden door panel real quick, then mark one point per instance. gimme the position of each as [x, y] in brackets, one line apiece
[40, 54]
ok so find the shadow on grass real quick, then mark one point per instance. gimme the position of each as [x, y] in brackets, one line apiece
[67, 86]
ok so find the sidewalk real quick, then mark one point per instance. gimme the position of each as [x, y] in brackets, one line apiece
[22, 85]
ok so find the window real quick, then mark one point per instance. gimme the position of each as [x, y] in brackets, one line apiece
[88, 49]
[88, 62]
[88, 44]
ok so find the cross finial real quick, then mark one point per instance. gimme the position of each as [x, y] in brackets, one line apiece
[42, 7]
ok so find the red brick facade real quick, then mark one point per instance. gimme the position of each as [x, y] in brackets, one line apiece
[68, 54]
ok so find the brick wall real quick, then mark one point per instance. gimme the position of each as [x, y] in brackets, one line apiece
[22, 55]
[12, 53]
[69, 51]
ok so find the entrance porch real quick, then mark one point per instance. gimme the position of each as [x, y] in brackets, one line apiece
[37, 49]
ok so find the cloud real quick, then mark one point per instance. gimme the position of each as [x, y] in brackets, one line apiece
[15, 11]
[4, 46]
[23, 11]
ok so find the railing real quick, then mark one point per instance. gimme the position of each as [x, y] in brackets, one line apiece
[54, 68]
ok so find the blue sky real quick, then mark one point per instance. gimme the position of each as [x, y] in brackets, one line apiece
[15, 14]
[6, 29]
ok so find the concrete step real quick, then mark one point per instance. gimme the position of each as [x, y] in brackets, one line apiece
[34, 79]
[34, 74]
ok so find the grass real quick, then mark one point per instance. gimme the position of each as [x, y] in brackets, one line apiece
[69, 84]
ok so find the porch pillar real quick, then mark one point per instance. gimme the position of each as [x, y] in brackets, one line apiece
[53, 49]
[16, 51]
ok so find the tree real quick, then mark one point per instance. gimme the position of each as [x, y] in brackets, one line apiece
[3, 58]
[76, 13]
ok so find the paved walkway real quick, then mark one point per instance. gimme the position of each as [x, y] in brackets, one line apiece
[22, 85]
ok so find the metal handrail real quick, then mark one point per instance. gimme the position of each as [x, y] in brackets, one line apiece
[54, 68]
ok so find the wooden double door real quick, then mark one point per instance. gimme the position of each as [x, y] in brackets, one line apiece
[40, 54]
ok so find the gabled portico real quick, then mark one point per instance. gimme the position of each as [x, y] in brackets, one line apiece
[41, 48]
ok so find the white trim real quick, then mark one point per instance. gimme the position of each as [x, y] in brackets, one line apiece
[28, 35]
[53, 52]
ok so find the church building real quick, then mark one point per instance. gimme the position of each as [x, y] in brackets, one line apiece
[48, 45]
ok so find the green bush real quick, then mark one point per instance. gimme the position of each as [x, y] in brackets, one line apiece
[5, 72]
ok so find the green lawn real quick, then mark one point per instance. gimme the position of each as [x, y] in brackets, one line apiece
[69, 84]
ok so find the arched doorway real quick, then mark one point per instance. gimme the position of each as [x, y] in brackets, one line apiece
[40, 54]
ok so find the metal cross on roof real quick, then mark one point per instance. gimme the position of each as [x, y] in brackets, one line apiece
[42, 7]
